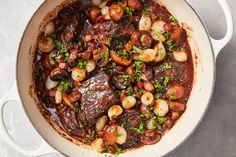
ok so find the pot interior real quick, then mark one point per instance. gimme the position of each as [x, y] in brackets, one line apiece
[196, 107]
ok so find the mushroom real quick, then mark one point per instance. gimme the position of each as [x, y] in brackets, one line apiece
[58, 74]
[158, 30]
[46, 44]
[120, 60]
[49, 28]
[150, 137]
[101, 56]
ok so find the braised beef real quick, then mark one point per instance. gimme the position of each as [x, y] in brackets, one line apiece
[97, 98]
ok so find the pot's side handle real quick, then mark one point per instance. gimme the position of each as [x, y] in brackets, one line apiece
[219, 44]
[12, 95]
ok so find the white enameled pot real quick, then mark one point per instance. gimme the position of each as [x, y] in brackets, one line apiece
[204, 51]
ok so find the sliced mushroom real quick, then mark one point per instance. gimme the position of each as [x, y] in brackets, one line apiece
[58, 74]
[150, 137]
[101, 56]
[118, 59]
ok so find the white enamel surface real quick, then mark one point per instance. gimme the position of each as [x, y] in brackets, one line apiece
[197, 104]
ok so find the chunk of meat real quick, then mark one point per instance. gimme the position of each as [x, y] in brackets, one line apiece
[68, 121]
[179, 36]
[130, 119]
[97, 98]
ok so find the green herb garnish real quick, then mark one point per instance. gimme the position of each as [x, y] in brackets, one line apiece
[65, 85]
[129, 11]
[137, 69]
[81, 63]
[139, 129]
[173, 19]
[162, 120]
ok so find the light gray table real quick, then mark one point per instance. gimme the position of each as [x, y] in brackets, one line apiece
[216, 135]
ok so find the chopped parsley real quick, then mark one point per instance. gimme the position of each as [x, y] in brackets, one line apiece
[60, 45]
[81, 63]
[138, 65]
[81, 125]
[147, 10]
[82, 106]
[166, 80]
[172, 94]
[162, 120]
[119, 151]
[158, 86]
[129, 11]
[140, 91]
[173, 19]
[65, 85]
[157, 96]
[166, 66]
[130, 91]
[170, 44]
[126, 77]
[139, 129]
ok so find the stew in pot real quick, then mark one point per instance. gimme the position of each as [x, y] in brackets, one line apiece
[115, 75]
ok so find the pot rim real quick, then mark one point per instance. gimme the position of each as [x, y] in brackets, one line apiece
[174, 148]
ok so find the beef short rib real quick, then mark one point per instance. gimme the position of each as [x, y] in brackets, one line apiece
[97, 98]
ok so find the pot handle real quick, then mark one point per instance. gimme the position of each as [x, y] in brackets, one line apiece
[219, 44]
[12, 95]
